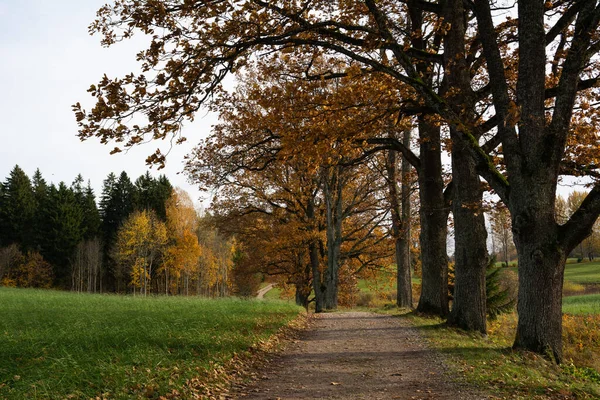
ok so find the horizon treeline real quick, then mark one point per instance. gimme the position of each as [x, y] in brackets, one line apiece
[63, 236]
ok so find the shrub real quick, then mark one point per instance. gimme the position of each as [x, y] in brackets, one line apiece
[501, 288]
[27, 271]
[581, 336]
[365, 299]
[34, 272]
[348, 288]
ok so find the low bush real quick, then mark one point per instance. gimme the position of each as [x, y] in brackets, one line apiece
[365, 299]
[581, 335]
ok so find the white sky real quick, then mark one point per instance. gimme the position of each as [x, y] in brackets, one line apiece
[47, 62]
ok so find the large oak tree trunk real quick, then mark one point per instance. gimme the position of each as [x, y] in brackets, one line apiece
[434, 218]
[405, 225]
[317, 282]
[332, 190]
[469, 301]
[313, 253]
[541, 269]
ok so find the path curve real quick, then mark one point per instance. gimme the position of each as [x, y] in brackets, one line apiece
[357, 355]
[261, 293]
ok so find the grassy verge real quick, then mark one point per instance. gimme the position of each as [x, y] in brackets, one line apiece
[275, 294]
[490, 363]
[57, 345]
[587, 304]
[584, 273]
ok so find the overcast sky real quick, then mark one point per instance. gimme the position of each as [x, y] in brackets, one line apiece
[47, 62]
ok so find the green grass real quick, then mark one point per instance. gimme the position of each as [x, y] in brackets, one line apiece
[586, 304]
[55, 345]
[274, 294]
[583, 272]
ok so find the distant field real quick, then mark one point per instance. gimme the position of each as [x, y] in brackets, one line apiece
[583, 272]
[274, 293]
[60, 345]
[382, 282]
[587, 304]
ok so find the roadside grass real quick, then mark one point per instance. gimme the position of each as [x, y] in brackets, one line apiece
[583, 273]
[276, 294]
[490, 363]
[57, 345]
[586, 304]
[579, 277]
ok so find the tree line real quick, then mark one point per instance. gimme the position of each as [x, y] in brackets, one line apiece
[509, 91]
[59, 236]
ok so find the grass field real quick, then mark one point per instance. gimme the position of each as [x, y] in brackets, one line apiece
[584, 273]
[60, 345]
[587, 304]
[274, 294]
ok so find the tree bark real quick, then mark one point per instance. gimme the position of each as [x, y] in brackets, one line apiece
[403, 283]
[406, 221]
[332, 189]
[469, 298]
[313, 253]
[541, 270]
[434, 217]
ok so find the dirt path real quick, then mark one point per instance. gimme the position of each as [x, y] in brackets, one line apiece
[357, 355]
[261, 293]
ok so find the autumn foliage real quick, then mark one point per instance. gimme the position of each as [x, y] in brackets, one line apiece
[179, 256]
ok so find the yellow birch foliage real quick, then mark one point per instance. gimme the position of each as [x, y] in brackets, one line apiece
[140, 242]
[183, 252]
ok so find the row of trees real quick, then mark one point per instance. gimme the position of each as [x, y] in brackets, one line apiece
[57, 236]
[41, 221]
[512, 99]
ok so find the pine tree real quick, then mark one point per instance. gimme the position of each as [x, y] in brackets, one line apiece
[17, 207]
[499, 299]
[116, 204]
[161, 193]
[40, 194]
[91, 214]
[64, 221]
[152, 194]
[143, 192]
[107, 214]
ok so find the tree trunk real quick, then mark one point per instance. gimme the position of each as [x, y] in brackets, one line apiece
[403, 283]
[434, 218]
[405, 224]
[469, 304]
[317, 286]
[541, 269]
[469, 298]
[313, 253]
[332, 190]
